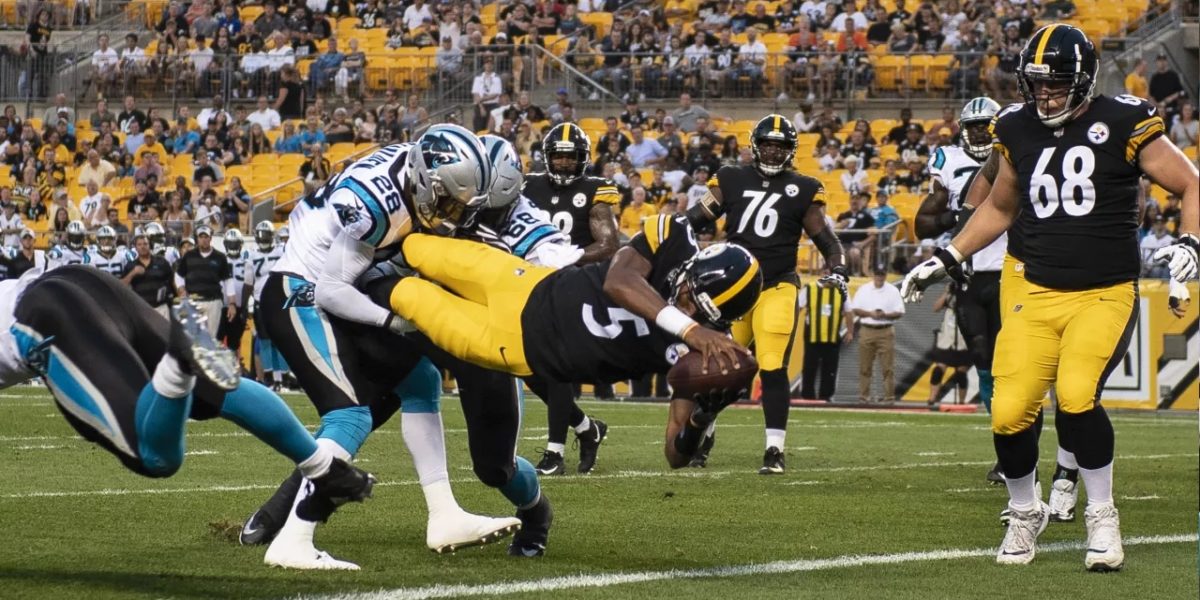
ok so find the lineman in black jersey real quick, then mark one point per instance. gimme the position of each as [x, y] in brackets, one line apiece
[581, 206]
[1066, 184]
[604, 321]
[767, 208]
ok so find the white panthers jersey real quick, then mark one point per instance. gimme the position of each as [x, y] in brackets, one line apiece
[112, 264]
[12, 368]
[238, 264]
[258, 265]
[62, 255]
[363, 200]
[528, 233]
[952, 167]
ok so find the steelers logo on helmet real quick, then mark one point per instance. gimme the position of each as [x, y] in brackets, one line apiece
[567, 152]
[773, 144]
[1057, 72]
[975, 122]
[723, 281]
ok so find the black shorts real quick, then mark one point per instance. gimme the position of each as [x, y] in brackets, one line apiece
[102, 344]
[230, 330]
[260, 328]
[338, 363]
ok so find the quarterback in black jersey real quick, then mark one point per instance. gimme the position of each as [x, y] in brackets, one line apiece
[767, 208]
[1066, 185]
[601, 322]
[581, 206]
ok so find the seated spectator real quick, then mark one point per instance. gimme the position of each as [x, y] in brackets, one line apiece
[698, 186]
[859, 147]
[687, 114]
[891, 182]
[853, 228]
[205, 168]
[854, 179]
[311, 135]
[325, 67]
[235, 205]
[104, 66]
[637, 211]
[316, 170]
[883, 213]
[10, 225]
[148, 167]
[1186, 129]
[134, 139]
[96, 170]
[832, 158]
[913, 147]
[644, 152]
[1158, 238]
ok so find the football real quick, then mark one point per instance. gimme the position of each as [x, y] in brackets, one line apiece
[687, 377]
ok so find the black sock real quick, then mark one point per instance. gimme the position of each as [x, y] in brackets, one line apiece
[559, 407]
[776, 398]
[1091, 437]
[279, 505]
[1061, 472]
[1018, 452]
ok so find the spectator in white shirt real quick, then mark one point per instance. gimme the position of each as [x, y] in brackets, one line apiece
[254, 70]
[832, 157]
[11, 225]
[96, 170]
[486, 89]
[201, 57]
[849, 12]
[751, 59]
[95, 205]
[265, 116]
[644, 152]
[854, 180]
[104, 65]
[415, 14]
[207, 114]
[1158, 237]
[699, 187]
[281, 55]
[877, 306]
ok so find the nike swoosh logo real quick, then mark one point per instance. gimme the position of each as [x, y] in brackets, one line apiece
[247, 530]
[1015, 553]
[502, 357]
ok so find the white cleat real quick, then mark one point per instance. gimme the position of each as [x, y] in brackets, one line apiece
[449, 533]
[1104, 549]
[1063, 495]
[1006, 514]
[306, 559]
[1020, 541]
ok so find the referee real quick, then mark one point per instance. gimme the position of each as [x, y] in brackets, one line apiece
[827, 322]
[204, 273]
[150, 276]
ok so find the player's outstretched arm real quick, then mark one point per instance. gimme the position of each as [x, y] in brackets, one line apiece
[603, 225]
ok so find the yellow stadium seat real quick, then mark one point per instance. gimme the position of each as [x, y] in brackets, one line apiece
[888, 69]
[939, 72]
[918, 71]
[601, 21]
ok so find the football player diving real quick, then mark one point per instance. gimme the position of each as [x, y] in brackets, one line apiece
[767, 208]
[599, 322]
[1066, 188]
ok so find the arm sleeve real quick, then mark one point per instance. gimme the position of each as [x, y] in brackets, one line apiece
[348, 258]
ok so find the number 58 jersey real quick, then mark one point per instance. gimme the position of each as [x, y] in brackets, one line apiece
[1078, 185]
[572, 330]
[766, 215]
[365, 200]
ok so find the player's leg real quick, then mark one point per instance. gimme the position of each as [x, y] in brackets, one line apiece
[774, 321]
[829, 353]
[469, 269]
[556, 395]
[809, 372]
[1094, 343]
[1025, 363]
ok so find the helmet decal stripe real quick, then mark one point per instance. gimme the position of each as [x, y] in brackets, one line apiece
[566, 133]
[738, 285]
[1038, 58]
[776, 124]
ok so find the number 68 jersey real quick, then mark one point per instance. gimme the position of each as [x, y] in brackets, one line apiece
[1078, 225]
[364, 200]
[766, 215]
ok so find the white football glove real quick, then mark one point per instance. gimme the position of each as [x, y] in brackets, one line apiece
[1179, 298]
[945, 262]
[555, 256]
[1180, 257]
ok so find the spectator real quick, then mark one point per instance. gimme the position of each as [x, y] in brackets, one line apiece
[133, 61]
[104, 65]
[208, 213]
[637, 211]
[176, 219]
[264, 116]
[1172, 214]
[1135, 81]
[1165, 87]
[1158, 238]
[254, 71]
[698, 187]
[832, 158]
[1058, 10]
[37, 39]
[1186, 129]
[750, 62]
[339, 130]
[316, 170]
[854, 228]
[11, 225]
[644, 152]
[891, 181]
[828, 321]
[148, 168]
[55, 111]
[270, 21]
[849, 14]
[291, 98]
[351, 73]
[877, 305]
[486, 89]
[859, 147]
[913, 146]
[686, 115]
[205, 273]
[96, 170]
[235, 205]
[325, 68]
[854, 179]
[205, 168]
[949, 350]
[1002, 80]
[883, 214]
[965, 68]
[615, 63]
[730, 153]
[448, 60]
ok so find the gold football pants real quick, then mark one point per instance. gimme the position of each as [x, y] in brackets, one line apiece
[772, 325]
[468, 300]
[1072, 339]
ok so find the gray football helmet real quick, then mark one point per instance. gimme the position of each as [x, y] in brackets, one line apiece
[448, 178]
[507, 176]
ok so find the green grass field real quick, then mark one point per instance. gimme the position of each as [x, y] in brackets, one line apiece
[873, 505]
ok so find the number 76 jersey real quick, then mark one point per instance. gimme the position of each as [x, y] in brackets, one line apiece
[1078, 185]
[766, 214]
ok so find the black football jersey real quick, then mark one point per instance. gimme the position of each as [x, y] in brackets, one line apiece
[1078, 225]
[574, 332]
[571, 206]
[766, 215]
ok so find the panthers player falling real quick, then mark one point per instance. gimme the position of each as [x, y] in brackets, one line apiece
[1068, 172]
[767, 207]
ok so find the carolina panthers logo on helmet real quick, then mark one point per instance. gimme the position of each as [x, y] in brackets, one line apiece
[438, 151]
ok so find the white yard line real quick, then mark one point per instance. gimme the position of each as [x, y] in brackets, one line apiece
[1137, 498]
[558, 480]
[603, 580]
[933, 453]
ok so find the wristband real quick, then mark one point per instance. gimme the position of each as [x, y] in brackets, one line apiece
[1191, 240]
[673, 321]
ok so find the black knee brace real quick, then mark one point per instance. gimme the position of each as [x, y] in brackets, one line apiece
[935, 378]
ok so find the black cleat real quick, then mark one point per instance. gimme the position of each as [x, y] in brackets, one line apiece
[343, 483]
[551, 464]
[197, 351]
[589, 443]
[995, 476]
[772, 462]
[700, 460]
[262, 526]
[530, 541]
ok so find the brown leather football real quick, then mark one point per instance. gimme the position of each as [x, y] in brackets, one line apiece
[688, 378]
